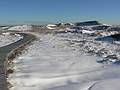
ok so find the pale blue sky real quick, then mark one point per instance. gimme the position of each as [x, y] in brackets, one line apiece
[59, 10]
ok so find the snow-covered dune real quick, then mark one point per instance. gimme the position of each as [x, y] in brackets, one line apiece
[7, 38]
[21, 28]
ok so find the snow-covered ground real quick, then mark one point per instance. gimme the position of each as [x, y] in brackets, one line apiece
[7, 38]
[67, 61]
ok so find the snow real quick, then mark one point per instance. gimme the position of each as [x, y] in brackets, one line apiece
[51, 65]
[87, 32]
[106, 24]
[112, 84]
[21, 28]
[70, 30]
[67, 61]
[51, 26]
[3, 28]
[7, 38]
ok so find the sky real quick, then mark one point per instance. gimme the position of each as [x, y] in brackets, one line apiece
[35, 11]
